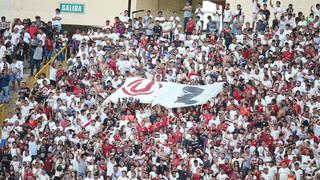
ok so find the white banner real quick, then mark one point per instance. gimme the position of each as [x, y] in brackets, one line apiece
[180, 95]
[169, 95]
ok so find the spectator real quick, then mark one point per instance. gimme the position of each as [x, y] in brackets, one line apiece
[200, 12]
[57, 21]
[5, 80]
[186, 14]
[37, 58]
[16, 70]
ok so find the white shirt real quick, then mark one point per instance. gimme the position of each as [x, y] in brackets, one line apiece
[2, 51]
[217, 15]
[15, 67]
[227, 15]
[15, 38]
[158, 18]
[43, 177]
[124, 19]
[57, 22]
[316, 11]
[222, 176]
[283, 173]
[268, 176]
[33, 148]
[42, 37]
[278, 11]
[53, 73]
[298, 174]
[26, 37]
[199, 12]
[92, 129]
[19, 27]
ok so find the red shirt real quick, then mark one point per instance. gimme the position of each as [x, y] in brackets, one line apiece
[49, 44]
[164, 121]
[276, 108]
[171, 141]
[176, 161]
[158, 125]
[48, 165]
[60, 73]
[192, 73]
[106, 148]
[287, 55]
[196, 176]
[268, 140]
[260, 108]
[32, 30]
[28, 175]
[48, 111]
[207, 117]
[190, 26]
[286, 161]
[237, 95]
[143, 129]
[113, 64]
[246, 54]
[296, 107]
[77, 91]
[102, 167]
[116, 137]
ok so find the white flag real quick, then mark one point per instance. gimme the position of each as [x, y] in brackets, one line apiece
[169, 95]
[179, 95]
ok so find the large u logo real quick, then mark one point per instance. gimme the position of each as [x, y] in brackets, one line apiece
[134, 88]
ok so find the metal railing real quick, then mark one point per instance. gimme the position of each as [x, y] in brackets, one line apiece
[46, 68]
[2, 113]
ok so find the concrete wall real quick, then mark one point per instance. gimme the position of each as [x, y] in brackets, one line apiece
[152, 5]
[97, 11]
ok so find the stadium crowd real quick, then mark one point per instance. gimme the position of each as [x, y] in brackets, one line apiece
[24, 45]
[264, 125]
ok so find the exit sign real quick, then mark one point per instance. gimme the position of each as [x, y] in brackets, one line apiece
[71, 8]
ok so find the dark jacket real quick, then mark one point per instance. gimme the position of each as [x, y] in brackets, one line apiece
[4, 80]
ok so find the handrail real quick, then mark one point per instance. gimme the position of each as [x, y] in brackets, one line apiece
[2, 116]
[49, 62]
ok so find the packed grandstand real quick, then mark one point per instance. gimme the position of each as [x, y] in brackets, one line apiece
[165, 98]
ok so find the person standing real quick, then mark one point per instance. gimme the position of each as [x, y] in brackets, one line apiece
[174, 20]
[283, 172]
[190, 26]
[200, 12]
[217, 16]
[16, 68]
[227, 15]
[4, 81]
[186, 14]
[238, 17]
[37, 58]
[57, 20]
[149, 28]
[22, 50]
[157, 29]
[198, 27]
[147, 16]
[3, 50]
[41, 36]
